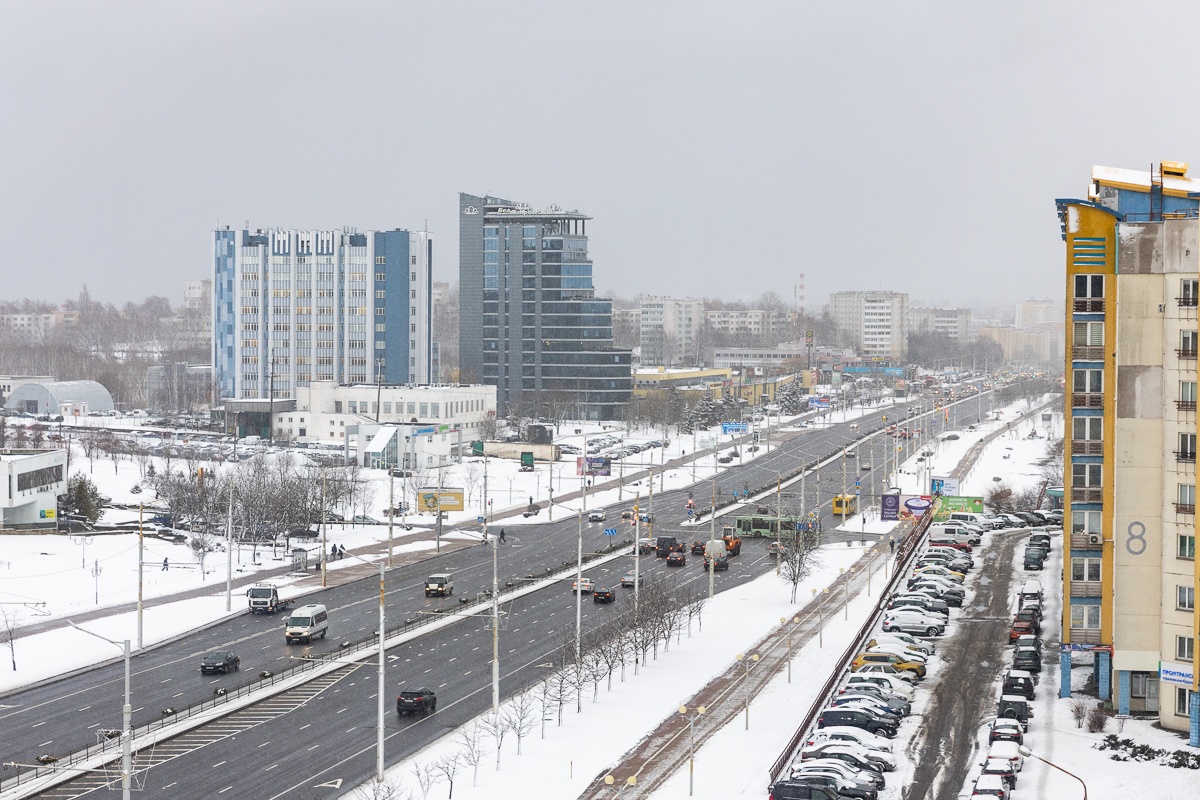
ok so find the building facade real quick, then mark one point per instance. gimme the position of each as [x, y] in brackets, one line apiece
[1130, 575]
[954, 323]
[670, 331]
[32, 482]
[876, 322]
[295, 306]
[529, 319]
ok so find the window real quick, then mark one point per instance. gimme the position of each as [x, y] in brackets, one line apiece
[1187, 446]
[1088, 428]
[1088, 380]
[1185, 546]
[1089, 334]
[1142, 684]
[1085, 475]
[1188, 340]
[1089, 286]
[1187, 391]
[1185, 598]
[1183, 699]
[425, 410]
[412, 408]
[1085, 521]
[1085, 617]
[1185, 647]
[1187, 494]
[435, 410]
[1085, 569]
[387, 408]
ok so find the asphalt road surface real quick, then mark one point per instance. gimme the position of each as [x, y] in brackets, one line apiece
[329, 738]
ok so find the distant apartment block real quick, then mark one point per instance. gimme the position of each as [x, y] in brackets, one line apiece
[296, 306]
[954, 323]
[197, 296]
[876, 322]
[771, 358]
[751, 322]
[670, 331]
[1042, 346]
[35, 327]
[1033, 313]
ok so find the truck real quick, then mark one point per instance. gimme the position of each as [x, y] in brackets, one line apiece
[733, 542]
[264, 599]
[664, 546]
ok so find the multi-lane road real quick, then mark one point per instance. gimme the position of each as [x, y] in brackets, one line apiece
[314, 744]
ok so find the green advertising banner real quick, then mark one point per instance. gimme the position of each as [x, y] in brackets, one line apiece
[948, 504]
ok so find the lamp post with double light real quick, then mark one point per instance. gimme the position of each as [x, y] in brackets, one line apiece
[691, 720]
[609, 780]
[793, 621]
[746, 662]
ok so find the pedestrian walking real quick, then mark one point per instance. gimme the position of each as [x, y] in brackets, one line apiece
[502, 536]
[342, 552]
[165, 565]
[332, 552]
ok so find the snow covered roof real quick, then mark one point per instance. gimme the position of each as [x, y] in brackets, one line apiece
[1139, 180]
[51, 395]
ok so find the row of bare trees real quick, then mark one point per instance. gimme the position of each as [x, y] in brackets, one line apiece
[664, 612]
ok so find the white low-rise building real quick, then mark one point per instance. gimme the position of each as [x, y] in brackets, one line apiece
[324, 410]
[33, 480]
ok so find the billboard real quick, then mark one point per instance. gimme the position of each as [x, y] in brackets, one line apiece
[431, 499]
[950, 503]
[593, 465]
[912, 506]
[734, 427]
[943, 485]
[890, 504]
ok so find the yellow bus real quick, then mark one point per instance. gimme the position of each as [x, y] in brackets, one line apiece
[844, 504]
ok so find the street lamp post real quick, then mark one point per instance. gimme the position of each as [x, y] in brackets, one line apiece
[609, 780]
[126, 715]
[1027, 753]
[692, 737]
[785, 621]
[746, 662]
[380, 714]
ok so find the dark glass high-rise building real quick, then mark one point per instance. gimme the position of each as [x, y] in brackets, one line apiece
[529, 319]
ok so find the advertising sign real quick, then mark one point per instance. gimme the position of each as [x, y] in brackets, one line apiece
[950, 503]
[891, 507]
[1172, 672]
[943, 485]
[432, 499]
[912, 506]
[733, 427]
[593, 465]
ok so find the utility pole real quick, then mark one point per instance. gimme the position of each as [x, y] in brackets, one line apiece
[391, 510]
[712, 537]
[228, 559]
[495, 545]
[579, 592]
[324, 542]
[141, 560]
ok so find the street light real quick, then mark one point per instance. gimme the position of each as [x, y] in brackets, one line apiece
[382, 659]
[692, 736]
[747, 662]
[609, 780]
[1027, 753]
[794, 620]
[126, 714]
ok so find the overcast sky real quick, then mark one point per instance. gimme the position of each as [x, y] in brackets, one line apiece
[723, 148]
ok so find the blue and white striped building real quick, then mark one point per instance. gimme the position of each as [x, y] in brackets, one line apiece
[295, 306]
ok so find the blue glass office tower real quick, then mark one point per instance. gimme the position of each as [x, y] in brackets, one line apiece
[295, 306]
[529, 319]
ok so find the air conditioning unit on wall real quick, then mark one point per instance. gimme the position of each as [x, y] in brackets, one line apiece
[1095, 538]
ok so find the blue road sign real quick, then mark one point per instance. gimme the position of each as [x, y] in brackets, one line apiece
[610, 531]
[691, 513]
[479, 520]
[858, 483]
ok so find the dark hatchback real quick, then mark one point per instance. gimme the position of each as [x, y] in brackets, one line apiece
[224, 661]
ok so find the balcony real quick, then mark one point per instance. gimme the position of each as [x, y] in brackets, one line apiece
[1087, 447]
[1185, 508]
[1185, 456]
[1087, 494]
[1089, 305]
[1187, 302]
[1185, 352]
[1087, 353]
[1185, 405]
[1086, 541]
[1085, 636]
[1087, 400]
[1085, 588]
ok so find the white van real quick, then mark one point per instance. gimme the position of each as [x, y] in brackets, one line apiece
[307, 623]
[956, 531]
[971, 518]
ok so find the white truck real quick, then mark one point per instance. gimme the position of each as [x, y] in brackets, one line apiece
[264, 599]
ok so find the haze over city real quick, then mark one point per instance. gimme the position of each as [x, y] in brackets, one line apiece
[722, 148]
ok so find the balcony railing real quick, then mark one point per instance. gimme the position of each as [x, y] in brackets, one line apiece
[1187, 302]
[1087, 353]
[1089, 305]
[1185, 508]
[1185, 352]
[1085, 588]
[1186, 456]
[1085, 636]
[1185, 405]
[1086, 541]
[1087, 494]
[1087, 400]
[1087, 447]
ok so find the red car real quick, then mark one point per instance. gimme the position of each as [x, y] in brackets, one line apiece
[1020, 628]
[676, 559]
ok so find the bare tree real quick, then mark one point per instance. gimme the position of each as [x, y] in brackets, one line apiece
[472, 473]
[471, 740]
[797, 560]
[426, 775]
[10, 623]
[447, 766]
[495, 725]
[376, 789]
[521, 714]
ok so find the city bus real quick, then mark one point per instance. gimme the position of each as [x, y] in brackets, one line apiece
[844, 505]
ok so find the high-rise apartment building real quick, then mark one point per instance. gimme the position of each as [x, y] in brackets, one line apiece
[953, 323]
[1130, 578]
[876, 322]
[670, 331]
[529, 319]
[295, 306]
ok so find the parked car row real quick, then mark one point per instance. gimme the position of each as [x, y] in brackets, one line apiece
[1014, 707]
[1037, 548]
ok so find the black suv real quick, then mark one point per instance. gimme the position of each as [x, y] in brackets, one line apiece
[803, 790]
[856, 718]
[416, 701]
[220, 661]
